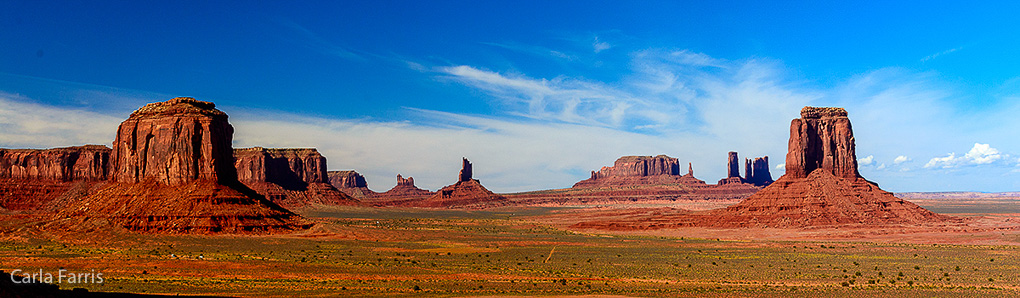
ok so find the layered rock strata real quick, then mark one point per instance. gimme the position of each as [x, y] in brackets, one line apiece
[351, 183]
[174, 173]
[30, 179]
[822, 188]
[290, 177]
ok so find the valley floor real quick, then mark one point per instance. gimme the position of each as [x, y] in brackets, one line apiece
[357, 251]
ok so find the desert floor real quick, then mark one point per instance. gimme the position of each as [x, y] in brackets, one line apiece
[520, 251]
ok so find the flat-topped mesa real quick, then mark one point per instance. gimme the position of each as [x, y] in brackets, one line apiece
[639, 166]
[80, 163]
[285, 166]
[174, 142]
[173, 171]
[351, 183]
[465, 171]
[291, 177]
[346, 179]
[821, 139]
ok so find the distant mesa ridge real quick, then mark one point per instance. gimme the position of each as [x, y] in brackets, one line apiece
[291, 177]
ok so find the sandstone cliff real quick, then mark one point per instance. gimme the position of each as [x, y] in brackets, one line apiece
[821, 188]
[174, 172]
[89, 162]
[174, 142]
[31, 179]
[290, 177]
[351, 183]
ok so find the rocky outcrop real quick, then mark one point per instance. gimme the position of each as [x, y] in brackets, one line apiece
[89, 163]
[464, 194]
[732, 169]
[346, 179]
[174, 142]
[351, 183]
[822, 188]
[465, 171]
[821, 139]
[821, 185]
[629, 170]
[174, 173]
[639, 166]
[32, 179]
[758, 171]
[290, 177]
[405, 189]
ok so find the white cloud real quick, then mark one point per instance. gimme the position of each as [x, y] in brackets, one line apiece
[980, 154]
[600, 46]
[867, 161]
[983, 154]
[901, 159]
[881, 167]
[781, 166]
[24, 124]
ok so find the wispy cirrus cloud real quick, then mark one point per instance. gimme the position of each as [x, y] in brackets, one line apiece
[315, 41]
[939, 54]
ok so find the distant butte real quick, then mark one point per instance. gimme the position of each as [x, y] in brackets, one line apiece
[290, 177]
[466, 193]
[821, 187]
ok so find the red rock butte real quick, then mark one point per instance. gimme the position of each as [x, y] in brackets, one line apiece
[466, 193]
[290, 177]
[351, 183]
[173, 171]
[821, 187]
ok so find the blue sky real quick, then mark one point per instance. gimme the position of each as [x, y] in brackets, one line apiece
[538, 93]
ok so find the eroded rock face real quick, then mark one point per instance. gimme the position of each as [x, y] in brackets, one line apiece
[174, 142]
[732, 168]
[465, 171]
[758, 171]
[351, 183]
[405, 189]
[291, 177]
[288, 167]
[174, 172]
[823, 188]
[821, 139]
[464, 194]
[639, 166]
[88, 163]
[346, 179]
[35, 180]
